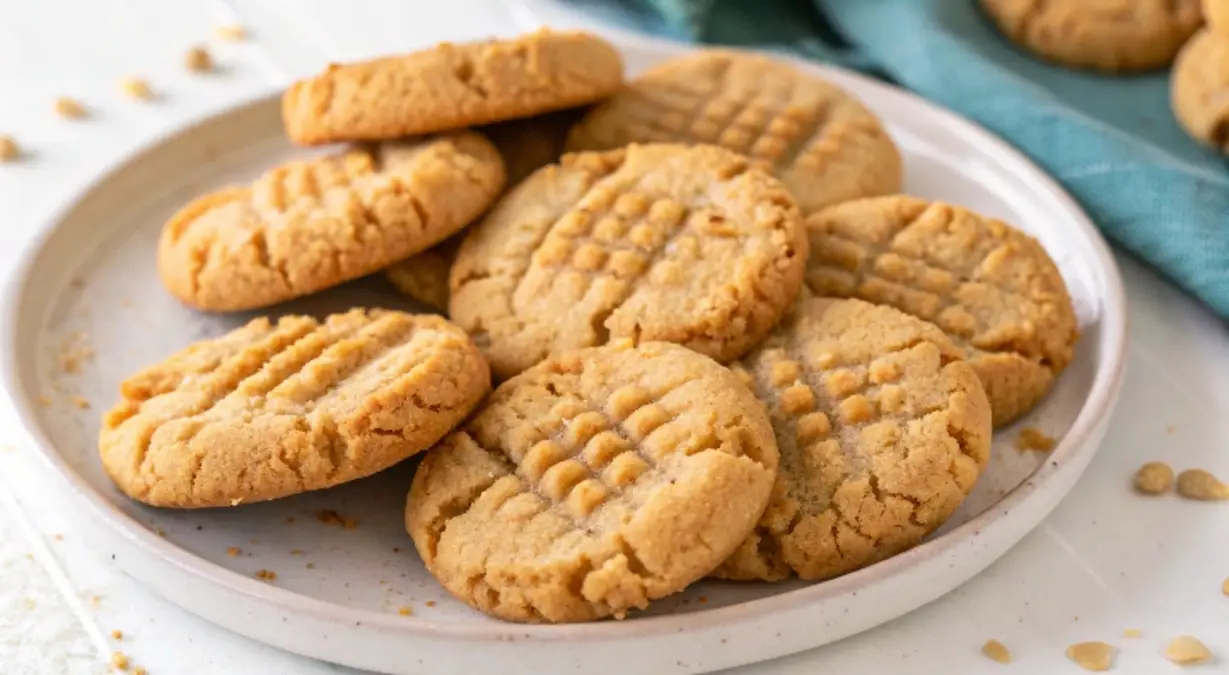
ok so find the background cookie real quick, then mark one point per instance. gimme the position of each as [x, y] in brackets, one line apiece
[1216, 13]
[882, 430]
[822, 143]
[684, 244]
[451, 86]
[526, 145]
[593, 483]
[270, 410]
[1200, 88]
[990, 287]
[310, 225]
[1106, 35]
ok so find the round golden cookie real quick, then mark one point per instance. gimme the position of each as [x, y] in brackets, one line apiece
[990, 287]
[882, 429]
[1216, 13]
[310, 225]
[1199, 89]
[451, 86]
[274, 409]
[1105, 35]
[821, 142]
[593, 483]
[684, 244]
[526, 145]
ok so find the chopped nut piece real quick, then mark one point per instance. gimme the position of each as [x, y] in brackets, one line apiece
[995, 651]
[1092, 655]
[232, 33]
[1032, 439]
[118, 660]
[233, 551]
[266, 575]
[1132, 633]
[1186, 650]
[1154, 478]
[137, 88]
[8, 149]
[69, 109]
[1201, 485]
[117, 634]
[198, 60]
[405, 611]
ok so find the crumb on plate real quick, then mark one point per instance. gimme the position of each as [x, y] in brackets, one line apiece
[198, 60]
[266, 575]
[996, 651]
[1200, 485]
[8, 149]
[119, 660]
[1096, 656]
[1186, 650]
[234, 551]
[136, 88]
[1031, 439]
[69, 109]
[331, 517]
[231, 33]
[1154, 478]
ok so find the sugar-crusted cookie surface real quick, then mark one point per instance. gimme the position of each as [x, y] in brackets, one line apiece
[684, 244]
[1105, 35]
[593, 483]
[451, 86]
[989, 286]
[274, 409]
[882, 429]
[820, 141]
[310, 225]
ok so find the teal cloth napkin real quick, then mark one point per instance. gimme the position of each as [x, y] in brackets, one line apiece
[1111, 141]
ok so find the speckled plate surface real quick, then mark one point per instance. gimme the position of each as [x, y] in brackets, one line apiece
[86, 309]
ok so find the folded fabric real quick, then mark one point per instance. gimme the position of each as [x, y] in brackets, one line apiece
[1111, 141]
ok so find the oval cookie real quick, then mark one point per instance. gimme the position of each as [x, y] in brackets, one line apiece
[451, 86]
[684, 244]
[1199, 89]
[310, 225]
[993, 289]
[882, 429]
[275, 409]
[593, 483]
[1106, 35]
[821, 142]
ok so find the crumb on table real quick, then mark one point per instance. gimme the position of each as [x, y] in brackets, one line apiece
[1154, 478]
[1031, 439]
[996, 651]
[331, 517]
[1202, 486]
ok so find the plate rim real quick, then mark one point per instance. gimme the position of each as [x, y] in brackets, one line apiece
[1097, 407]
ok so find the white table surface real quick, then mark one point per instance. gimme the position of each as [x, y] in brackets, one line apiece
[1105, 561]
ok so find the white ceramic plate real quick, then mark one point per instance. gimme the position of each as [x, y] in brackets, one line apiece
[91, 282]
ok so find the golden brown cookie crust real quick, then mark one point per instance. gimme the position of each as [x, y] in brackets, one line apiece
[683, 244]
[1216, 14]
[990, 287]
[451, 86]
[1106, 35]
[310, 225]
[593, 483]
[274, 409]
[1199, 90]
[882, 429]
[820, 141]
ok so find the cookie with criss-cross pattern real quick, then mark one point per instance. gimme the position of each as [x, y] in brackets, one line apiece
[274, 409]
[820, 141]
[989, 286]
[685, 244]
[593, 483]
[1199, 88]
[882, 428]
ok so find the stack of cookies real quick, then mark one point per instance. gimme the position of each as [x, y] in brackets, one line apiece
[1200, 82]
[725, 346]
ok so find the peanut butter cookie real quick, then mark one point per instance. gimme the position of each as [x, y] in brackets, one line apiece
[882, 430]
[1216, 13]
[309, 225]
[684, 244]
[271, 410]
[821, 142]
[1106, 35]
[1199, 89]
[452, 86]
[424, 277]
[990, 287]
[593, 483]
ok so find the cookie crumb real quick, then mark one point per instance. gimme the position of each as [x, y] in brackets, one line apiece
[430, 603]
[232, 33]
[1224, 586]
[58, 537]
[995, 651]
[1154, 478]
[198, 60]
[140, 670]
[310, 566]
[331, 517]
[1201, 485]
[44, 401]
[1186, 650]
[405, 611]
[119, 660]
[702, 599]
[74, 353]
[1095, 656]
[95, 600]
[234, 551]
[81, 402]
[297, 551]
[290, 520]
[69, 109]
[1132, 633]
[1030, 439]
[160, 532]
[117, 634]
[136, 88]
[8, 149]
[1169, 430]
[396, 549]
[266, 575]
